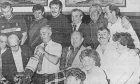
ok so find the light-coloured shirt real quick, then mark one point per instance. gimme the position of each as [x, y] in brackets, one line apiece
[18, 60]
[54, 49]
[96, 76]
[118, 27]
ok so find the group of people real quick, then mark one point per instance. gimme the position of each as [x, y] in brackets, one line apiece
[57, 51]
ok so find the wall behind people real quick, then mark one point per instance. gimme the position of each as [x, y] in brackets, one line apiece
[131, 6]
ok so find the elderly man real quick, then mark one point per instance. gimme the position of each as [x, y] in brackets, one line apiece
[34, 37]
[14, 59]
[97, 21]
[61, 27]
[48, 53]
[117, 24]
[70, 55]
[77, 25]
[10, 23]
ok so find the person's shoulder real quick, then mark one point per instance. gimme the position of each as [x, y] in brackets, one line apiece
[55, 44]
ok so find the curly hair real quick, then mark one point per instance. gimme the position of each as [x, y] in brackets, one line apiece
[113, 7]
[92, 54]
[97, 8]
[76, 72]
[124, 39]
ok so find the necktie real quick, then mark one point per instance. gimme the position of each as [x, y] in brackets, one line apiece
[74, 27]
[39, 68]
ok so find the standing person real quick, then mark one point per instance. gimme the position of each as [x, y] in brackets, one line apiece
[11, 23]
[97, 21]
[91, 65]
[34, 34]
[48, 53]
[78, 25]
[112, 13]
[61, 27]
[15, 59]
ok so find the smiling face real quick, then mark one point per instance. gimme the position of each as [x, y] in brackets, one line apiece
[76, 39]
[38, 14]
[55, 10]
[103, 36]
[88, 63]
[108, 14]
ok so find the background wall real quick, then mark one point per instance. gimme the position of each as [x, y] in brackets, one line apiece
[131, 6]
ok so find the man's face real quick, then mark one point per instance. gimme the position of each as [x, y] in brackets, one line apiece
[88, 63]
[38, 14]
[55, 10]
[7, 12]
[14, 45]
[94, 15]
[45, 34]
[73, 80]
[76, 40]
[103, 36]
[76, 17]
[108, 14]
[3, 42]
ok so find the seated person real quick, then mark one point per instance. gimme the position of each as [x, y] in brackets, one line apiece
[125, 69]
[70, 55]
[75, 76]
[91, 65]
[14, 60]
[48, 53]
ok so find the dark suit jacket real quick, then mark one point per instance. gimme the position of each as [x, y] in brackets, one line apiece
[85, 29]
[8, 65]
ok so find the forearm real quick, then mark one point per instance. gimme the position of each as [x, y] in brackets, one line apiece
[24, 37]
[52, 58]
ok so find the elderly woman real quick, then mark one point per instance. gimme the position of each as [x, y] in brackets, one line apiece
[125, 70]
[75, 76]
[97, 21]
[91, 65]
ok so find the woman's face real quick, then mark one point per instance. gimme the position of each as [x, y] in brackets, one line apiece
[88, 63]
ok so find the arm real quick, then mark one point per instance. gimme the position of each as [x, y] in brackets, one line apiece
[24, 37]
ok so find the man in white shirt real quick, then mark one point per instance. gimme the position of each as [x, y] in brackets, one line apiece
[118, 24]
[48, 54]
[14, 59]
[106, 49]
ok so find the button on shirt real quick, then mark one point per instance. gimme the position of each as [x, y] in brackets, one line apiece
[54, 49]
[18, 60]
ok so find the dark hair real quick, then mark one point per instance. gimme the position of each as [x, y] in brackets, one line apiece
[56, 2]
[112, 7]
[79, 10]
[124, 39]
[38, 7]
[77, 73]
[6, 4]
[104, 28]
[92, 54]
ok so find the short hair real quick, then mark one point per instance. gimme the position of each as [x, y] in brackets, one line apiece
[104, 28]
[38, 7]
[97, 7]
[77, 73]
[124, 39]
[56, 2]
[113, 7]
[6, 4]
[46, 27]
[81, 34]
[92, 54]
[79, 10]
